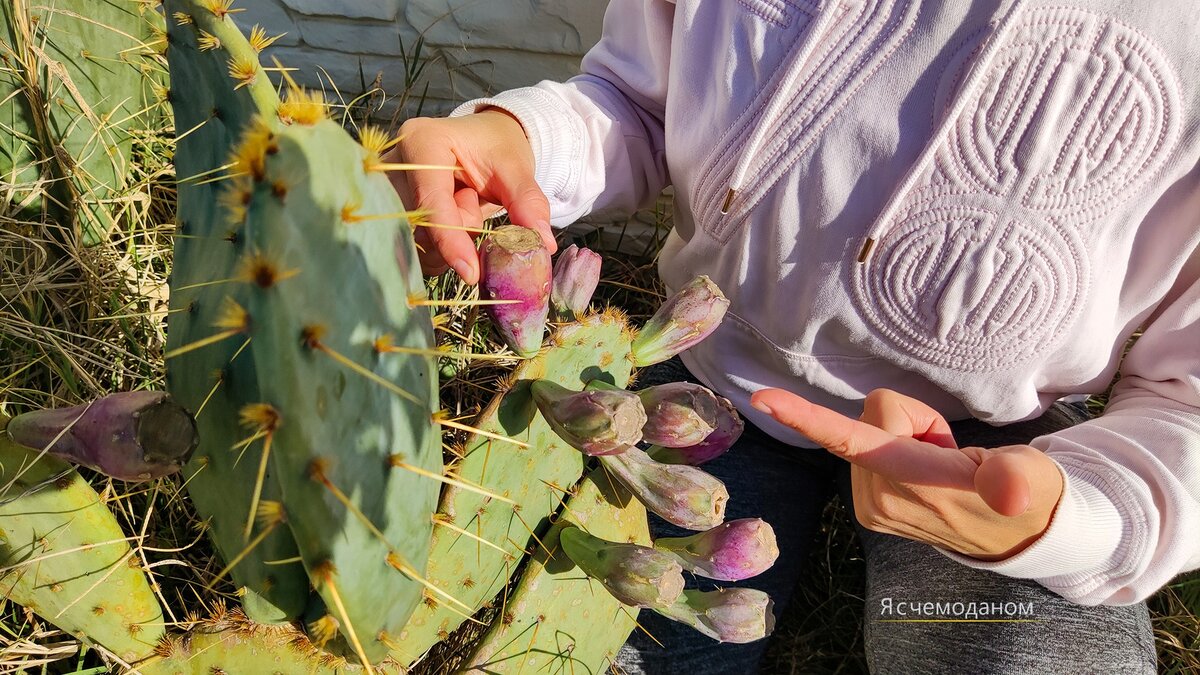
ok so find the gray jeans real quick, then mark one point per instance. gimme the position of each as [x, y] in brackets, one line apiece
[789, 488]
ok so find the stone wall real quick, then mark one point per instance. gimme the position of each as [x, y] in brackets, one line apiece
[440, 51]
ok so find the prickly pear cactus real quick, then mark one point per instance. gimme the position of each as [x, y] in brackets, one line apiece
[80, 82]
[301, 345]
[535, 479]
[64, 556]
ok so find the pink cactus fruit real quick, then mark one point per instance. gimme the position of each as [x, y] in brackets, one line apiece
[681, 495]
[132, 436]
[735, 615]
[595, 422]
[729, 427]
[731, 551]
[576, 275]
[679, 414]
[638, 576]
[516, 266]
[683, 321]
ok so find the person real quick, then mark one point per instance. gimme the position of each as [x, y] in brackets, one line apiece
[936, 223]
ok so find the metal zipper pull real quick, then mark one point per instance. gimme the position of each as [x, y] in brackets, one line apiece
[728, 201]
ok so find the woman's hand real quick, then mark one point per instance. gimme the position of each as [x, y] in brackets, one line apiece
[911, 479]
[497, 171]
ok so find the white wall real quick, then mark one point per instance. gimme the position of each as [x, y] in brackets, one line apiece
[471, 47]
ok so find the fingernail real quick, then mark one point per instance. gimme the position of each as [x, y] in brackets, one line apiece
[762, 407]
[463, 269]
[547, 231]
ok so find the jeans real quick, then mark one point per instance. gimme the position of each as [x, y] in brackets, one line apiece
[789, 488]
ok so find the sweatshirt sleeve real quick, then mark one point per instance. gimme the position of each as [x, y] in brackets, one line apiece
[1129, 517]
[598, 138]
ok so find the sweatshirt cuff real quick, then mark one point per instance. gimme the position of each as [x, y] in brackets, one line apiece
[555, 135]
[1085, 534]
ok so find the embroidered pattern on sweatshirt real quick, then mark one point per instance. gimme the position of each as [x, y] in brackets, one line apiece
[986, 264]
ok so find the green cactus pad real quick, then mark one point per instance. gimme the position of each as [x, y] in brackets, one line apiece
[559, 620]
[213, 113]
[351, 408]
[232, 645]
[71, 114]
[535, 478]
[65, 557]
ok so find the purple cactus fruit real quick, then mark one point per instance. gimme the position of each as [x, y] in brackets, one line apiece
[736, 615]
[595, 422]
[679, 414]
[681, 495]
[638, 576]
[729, 429]
[731, 551]
[133, 436]
[684, 320]
[576, 275]
[516, 266]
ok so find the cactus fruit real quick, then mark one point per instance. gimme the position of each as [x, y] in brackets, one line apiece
[79, 85]
[680, 414]
[729, 427]
[133, 436]
[576, 275]
[306, 258]
[735, 615]
[685, 319]
[516, 272]
[731, 551]
[638, 576]
[595, 422]
[679, 494]
[65, 557]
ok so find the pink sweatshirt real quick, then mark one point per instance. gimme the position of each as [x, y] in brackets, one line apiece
[973, 203]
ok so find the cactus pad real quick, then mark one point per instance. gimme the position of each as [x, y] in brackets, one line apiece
[298, 293]
[211, 114]
[559, 620]
[536, 478]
